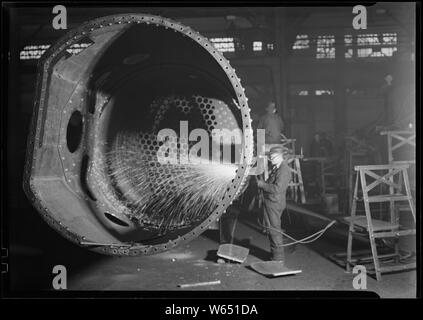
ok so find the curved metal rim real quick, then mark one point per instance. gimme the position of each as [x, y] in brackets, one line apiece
[52, 54]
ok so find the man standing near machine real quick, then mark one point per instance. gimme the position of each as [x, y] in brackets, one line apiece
[274, 199]
[272, 123]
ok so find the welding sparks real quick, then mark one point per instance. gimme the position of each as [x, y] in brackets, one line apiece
[166, 196]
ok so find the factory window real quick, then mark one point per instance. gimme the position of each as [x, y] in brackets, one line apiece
[78, 47]
[301, 42]
[33, 52]
[376, 45]
[367, 39]
[349, 53]
[389, 38]
[311, 90]
[298, 90]
[377, 39]
[323, 92]
[257, 46]
[388, 52]
[363, 92]
[376, 52]
[223, 44]
[325, 47]
[348, 40]
[270, 46]
[369, 45]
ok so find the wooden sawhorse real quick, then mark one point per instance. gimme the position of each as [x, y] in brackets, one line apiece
[379, 229]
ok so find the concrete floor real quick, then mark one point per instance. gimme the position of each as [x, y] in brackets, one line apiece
[30, 268]
[195, 262]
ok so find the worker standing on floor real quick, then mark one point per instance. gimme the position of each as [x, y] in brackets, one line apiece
[274, 199]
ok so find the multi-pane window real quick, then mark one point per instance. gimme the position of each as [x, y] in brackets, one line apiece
[323, 92]
[310, 90]
[376, 45]
[348, 41]
[367, 39]
[325, 47]
[366, 45]
[257, 46]
[301, 42]
[223, 44]
[32, 52]
[78, 47]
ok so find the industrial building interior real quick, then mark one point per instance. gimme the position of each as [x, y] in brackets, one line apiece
[346, 98]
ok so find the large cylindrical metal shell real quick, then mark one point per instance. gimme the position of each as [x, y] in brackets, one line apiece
[100, 79]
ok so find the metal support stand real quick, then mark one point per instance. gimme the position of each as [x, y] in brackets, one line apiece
[379, 229]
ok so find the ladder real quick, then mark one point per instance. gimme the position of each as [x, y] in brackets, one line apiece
[353, 159]
[357, 152]
[296, 186]
[398, 141]
[327, 171]
[389, 176]
[288, 143]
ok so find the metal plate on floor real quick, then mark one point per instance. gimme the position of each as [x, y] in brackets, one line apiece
[233, 252]
[273, 268]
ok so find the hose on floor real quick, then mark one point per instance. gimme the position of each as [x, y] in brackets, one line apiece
[308, 239]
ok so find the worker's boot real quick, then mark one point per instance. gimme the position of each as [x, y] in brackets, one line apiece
[278, 254]
[276, 246]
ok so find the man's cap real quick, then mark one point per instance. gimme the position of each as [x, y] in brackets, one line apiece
[278, 150]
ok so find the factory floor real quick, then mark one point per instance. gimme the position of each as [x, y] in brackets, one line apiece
[31, 265]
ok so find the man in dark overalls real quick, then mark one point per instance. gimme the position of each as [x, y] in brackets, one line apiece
[274, 199]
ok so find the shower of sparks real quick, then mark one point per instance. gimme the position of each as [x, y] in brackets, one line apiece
[166, 196]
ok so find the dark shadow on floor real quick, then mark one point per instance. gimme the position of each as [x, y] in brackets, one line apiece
[211, 256]
[35, 248]
[254, 250]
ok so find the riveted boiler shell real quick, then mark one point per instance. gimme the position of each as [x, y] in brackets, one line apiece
[100, 80]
